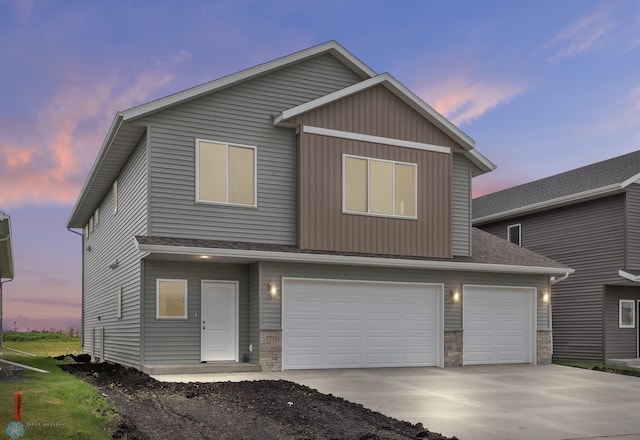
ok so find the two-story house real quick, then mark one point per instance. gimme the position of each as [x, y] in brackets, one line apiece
[588, 219]
[305, 213]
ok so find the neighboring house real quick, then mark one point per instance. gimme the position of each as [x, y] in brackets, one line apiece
[6, 260]
[588, 219]
[304, 213]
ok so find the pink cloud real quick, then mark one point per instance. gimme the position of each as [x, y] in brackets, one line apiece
[47, 164]
[461, 99]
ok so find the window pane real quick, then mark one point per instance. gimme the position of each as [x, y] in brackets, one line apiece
[627, 318]
[406, 185]
[171, 299]
[241, 175]
[381, 187]
[212, 172]
[355, 184]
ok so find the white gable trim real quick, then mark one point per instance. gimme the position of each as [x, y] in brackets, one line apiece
[329, 47]
[629, 276]
[374, 139]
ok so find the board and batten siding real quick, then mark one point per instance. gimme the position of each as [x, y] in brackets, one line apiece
[620, 343]
[632, 227]
[323, 226]
[240, 114]
[450, 279]
[589, 238]
[177, 341]
[112, 240]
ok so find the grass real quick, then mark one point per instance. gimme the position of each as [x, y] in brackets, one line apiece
[41, 343]
[599, 366]
[56, 405]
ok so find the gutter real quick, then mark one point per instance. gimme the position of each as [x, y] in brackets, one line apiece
[350, 260]
[555, 280]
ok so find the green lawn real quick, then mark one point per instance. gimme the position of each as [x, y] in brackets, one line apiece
[55, 405]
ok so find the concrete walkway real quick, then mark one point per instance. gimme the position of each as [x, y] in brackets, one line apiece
[510, 402]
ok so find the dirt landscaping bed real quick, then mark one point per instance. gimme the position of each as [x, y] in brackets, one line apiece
[265, 409]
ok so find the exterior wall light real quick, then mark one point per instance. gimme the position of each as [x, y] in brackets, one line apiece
[273, 289]
[545, 297]
[455, 295]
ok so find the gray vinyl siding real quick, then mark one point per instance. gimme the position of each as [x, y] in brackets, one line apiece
[177, 341]
[254, 312]
[450, 280]
[111, 240]
[632, 227]
[461, 205]
[587, 237]
[240, 114]
[620, 343]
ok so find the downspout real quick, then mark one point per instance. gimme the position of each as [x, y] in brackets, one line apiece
[555, 280]
[82, 288]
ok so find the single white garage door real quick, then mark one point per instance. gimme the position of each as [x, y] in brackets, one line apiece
[498, 325]
[355, 324]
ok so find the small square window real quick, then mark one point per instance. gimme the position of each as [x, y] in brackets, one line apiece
[514, 234]
[627, 313]
[171, 299]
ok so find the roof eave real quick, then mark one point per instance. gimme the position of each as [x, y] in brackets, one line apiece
[6, 267]
[350, 260]
[548, 204]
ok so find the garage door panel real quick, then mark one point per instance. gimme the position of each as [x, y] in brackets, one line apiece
[497, 325]
[364, 324]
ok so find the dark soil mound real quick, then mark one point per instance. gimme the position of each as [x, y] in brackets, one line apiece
[262, 410]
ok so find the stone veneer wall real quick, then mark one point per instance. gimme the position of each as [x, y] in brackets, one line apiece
[271, 350]
[453, 348]
[544, 346]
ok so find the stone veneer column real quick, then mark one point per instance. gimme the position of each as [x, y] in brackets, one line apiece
[453, 348]
[271, 350]
[544, 346]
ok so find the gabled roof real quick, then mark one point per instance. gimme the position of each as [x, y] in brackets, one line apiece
[124, 133]
[409, 98]
[491, 254]
[588, 182]
[6, 253]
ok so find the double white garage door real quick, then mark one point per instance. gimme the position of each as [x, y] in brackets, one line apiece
[355, 324]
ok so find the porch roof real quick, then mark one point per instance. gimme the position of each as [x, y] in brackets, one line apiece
[490, 254]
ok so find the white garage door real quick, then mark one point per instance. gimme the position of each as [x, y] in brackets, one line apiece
[354, 324]
[498, 325]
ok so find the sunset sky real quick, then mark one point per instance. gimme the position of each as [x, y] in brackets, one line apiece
[542, 87]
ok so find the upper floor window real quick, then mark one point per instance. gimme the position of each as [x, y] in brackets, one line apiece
[96, 216]
[115, 196]
[379, 187]
[514, 234]
[225, 173]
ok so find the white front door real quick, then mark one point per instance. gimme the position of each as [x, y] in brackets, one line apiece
[219, 340]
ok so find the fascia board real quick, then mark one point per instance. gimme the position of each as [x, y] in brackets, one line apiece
[633, 179]
[194, 92]
[559, 201]
[97, 165]
[350, 260]
[629, 276]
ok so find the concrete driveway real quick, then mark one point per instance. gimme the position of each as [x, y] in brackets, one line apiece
[510, 402]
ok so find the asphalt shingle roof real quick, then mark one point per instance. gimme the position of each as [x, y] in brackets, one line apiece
[487, 249]
[590, 177]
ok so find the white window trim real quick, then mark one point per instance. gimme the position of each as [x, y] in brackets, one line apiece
[255, 174]
[633, 313]
[368, 212]
[509, 228]
[96, 215]
[119, 302]
[91, 224]
[186, 295]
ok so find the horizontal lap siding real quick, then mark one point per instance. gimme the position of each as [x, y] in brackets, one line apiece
[621, 343]
[451, 280]
[240, 114]
[461, 205]
[112, 240]
[169, 341]
[587, 237]
[633, 227]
